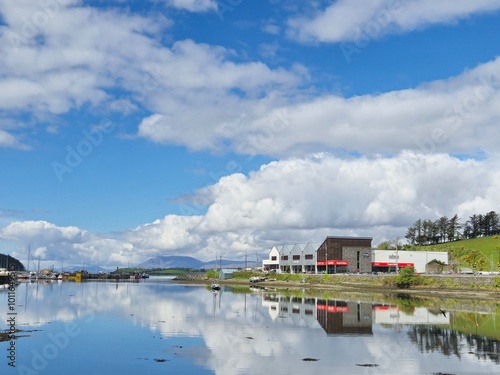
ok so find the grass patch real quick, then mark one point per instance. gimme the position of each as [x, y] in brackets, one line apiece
[496, 282]
[482, 254]
[245, 275]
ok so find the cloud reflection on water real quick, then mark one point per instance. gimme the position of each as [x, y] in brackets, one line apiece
[249, 333]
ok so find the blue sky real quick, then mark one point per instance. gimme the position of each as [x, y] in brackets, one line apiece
[197, 127]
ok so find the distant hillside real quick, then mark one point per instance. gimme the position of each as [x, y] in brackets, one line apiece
[481, 253]
[89, 268]
[6, 260]
[190, 262]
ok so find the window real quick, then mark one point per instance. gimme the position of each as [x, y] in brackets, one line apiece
[296, 257]
[273, 258]
[284, 257]
[309, 256]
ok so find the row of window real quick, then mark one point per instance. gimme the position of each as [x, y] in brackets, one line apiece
[294, 257]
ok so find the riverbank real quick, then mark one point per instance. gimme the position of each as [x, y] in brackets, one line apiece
[442, 286]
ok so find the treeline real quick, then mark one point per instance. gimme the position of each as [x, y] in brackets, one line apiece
[6, 261]
[428, 232]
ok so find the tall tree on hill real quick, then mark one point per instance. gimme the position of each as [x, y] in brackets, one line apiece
[453, 228]
[495, 226]
[490, 224]
[442, 226]
[473, 226]
[411, 235]
[430, 232]
[419, 231]
[427, 232]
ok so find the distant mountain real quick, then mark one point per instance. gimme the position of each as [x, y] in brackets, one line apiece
[190, 262]
[171, 262]
[90, 268]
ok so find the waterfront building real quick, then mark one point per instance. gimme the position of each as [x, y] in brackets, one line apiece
[227, 273]
[387, 260]
[347, 255]
[285, 258]
[334, 255]
[344, 254]
[273, 263]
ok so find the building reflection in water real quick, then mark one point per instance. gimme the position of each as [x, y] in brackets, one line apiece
[430, 329]
[338, 317]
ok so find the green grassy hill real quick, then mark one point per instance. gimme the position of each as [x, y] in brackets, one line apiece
[482, 254]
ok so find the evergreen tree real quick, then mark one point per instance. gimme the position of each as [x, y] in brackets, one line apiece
[442, 226]
[453, 228]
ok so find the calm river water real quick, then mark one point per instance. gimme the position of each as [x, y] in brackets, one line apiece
[161, 327]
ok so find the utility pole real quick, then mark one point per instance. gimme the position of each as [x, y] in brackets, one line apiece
[397, 259]
[397, 255]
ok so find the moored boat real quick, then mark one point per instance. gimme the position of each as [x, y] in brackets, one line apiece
[23, 276]
[215, 285]
[4, 276]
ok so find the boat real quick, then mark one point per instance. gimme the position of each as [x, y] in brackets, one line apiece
[215, 285]
[135, 276]
[4, 276]
[23, 275]
[144, 275]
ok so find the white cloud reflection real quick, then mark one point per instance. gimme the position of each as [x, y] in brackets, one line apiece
[238, 331]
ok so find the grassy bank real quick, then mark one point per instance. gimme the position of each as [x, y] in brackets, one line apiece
[482, 254]
[389, 283]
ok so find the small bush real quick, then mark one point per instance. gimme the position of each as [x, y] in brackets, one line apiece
[407, 278]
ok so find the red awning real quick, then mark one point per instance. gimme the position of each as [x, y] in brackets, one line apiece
[332, 308]
[392, 264]
[333, 263]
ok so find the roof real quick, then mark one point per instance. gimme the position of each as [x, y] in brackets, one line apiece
[350, 238]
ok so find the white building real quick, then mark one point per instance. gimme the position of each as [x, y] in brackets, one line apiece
[393, 315]
[273, 263]
[346, 254]
[382, 260]
[298, 258]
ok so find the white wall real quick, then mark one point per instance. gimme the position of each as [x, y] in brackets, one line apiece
[418, 258]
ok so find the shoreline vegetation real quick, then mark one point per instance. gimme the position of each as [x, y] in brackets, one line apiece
[441, 286]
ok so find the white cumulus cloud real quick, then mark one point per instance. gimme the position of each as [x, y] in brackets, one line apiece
[194, 5]
[351, 20]
[288, 201]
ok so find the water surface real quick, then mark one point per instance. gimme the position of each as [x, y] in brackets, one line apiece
[160, 327]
